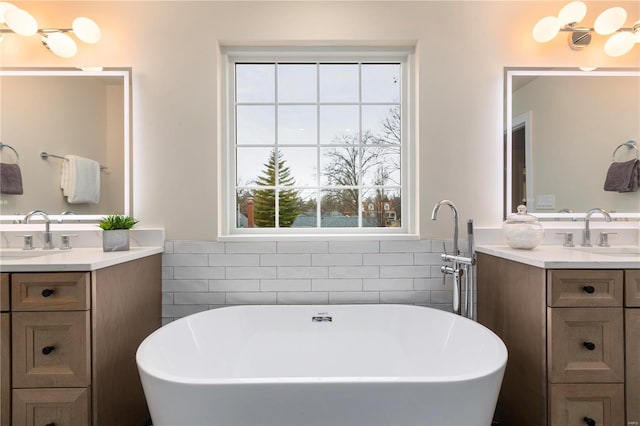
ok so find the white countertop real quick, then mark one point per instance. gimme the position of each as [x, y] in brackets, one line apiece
[76, 259]
[558, 257]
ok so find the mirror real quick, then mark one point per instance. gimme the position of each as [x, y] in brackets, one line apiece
[66, 112]
[564, 126]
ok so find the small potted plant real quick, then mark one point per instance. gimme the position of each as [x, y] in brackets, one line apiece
[116, 232]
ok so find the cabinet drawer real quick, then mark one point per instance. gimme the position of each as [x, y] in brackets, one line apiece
[584, 288]
[4, 292]
[50, 349]
[585, 345]
[632, 335]
[64, 291]
[574, 405]
[632, 288]
[59, 407]
[5, 369]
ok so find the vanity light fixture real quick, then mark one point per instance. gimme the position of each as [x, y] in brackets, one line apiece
[14, 20]
[608, 23]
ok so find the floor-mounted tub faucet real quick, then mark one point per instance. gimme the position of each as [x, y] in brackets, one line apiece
[434, 216]
[48, 236]
[586, 233]
[460, 264]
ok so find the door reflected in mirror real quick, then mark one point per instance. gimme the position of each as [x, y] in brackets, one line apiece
[66, 112]
[564, 126]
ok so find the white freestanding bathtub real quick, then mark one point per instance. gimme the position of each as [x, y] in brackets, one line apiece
[360, 365]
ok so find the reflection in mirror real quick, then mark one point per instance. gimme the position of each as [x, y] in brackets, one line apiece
[564, 128]
[65, 112]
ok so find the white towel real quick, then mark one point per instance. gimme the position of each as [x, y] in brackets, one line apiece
[80, 180]
[64, 177]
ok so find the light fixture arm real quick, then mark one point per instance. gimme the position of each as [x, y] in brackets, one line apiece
[572, 27]
[40, 30]
[54, 30]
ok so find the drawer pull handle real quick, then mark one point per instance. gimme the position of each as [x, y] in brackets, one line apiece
[47, 350]
[590, 346]
[589, 289]
[47, 292]
[589, 421]
[50, 424]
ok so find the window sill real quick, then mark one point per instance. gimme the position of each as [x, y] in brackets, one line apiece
[320, 237]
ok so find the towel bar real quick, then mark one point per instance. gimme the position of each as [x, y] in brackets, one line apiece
[45, 155]
[631, 144]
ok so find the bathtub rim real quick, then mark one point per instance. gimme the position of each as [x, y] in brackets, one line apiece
[172, 378]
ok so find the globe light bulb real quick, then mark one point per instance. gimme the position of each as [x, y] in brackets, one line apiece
[60, 44]
[572, 13]
[619, 43]
[4, 6]
[610, 21]
[20, 21]
[546, 29]
[86, 30]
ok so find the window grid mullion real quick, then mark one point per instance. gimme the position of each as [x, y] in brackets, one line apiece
[360, 151]
[318, 174]
[276, 150]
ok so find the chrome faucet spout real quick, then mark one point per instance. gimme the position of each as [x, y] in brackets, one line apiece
[586, 233]
[48, 237]
[434, 216]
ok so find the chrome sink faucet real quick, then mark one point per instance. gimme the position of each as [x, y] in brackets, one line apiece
[48, 236]
[586, 234]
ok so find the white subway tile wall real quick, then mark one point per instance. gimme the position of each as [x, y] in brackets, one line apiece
[197, 276]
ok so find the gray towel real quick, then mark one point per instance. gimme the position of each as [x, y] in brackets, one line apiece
[623, 177]
[10, 179]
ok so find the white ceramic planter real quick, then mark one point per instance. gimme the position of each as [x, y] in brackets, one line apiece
[115, 240]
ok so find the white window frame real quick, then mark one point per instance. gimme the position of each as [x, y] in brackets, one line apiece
[227, 230]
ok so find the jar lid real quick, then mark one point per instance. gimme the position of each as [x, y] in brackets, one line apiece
[521, 216]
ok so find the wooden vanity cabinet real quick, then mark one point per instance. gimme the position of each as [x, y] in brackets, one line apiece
[565, 331]
[74, 336]
[5, 352]
[632, 339]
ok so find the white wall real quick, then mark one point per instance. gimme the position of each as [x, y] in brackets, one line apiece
[172, 47]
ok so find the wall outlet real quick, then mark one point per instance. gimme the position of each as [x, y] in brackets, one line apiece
[546, 202]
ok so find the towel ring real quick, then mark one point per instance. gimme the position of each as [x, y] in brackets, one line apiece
[631, 144]
[4, 145]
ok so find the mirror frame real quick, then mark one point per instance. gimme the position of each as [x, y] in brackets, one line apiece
[509, 73]
[125, 74]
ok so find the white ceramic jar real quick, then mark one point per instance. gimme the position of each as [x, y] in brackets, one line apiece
[522, 231]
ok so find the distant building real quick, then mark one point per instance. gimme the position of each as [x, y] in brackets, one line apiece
[381, 211]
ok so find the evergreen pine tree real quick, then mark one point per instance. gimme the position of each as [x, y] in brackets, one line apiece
[264, 199]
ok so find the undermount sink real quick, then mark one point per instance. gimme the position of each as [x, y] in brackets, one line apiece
[611, 251]
[22, 254]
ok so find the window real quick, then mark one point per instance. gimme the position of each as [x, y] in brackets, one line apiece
[317, 143]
